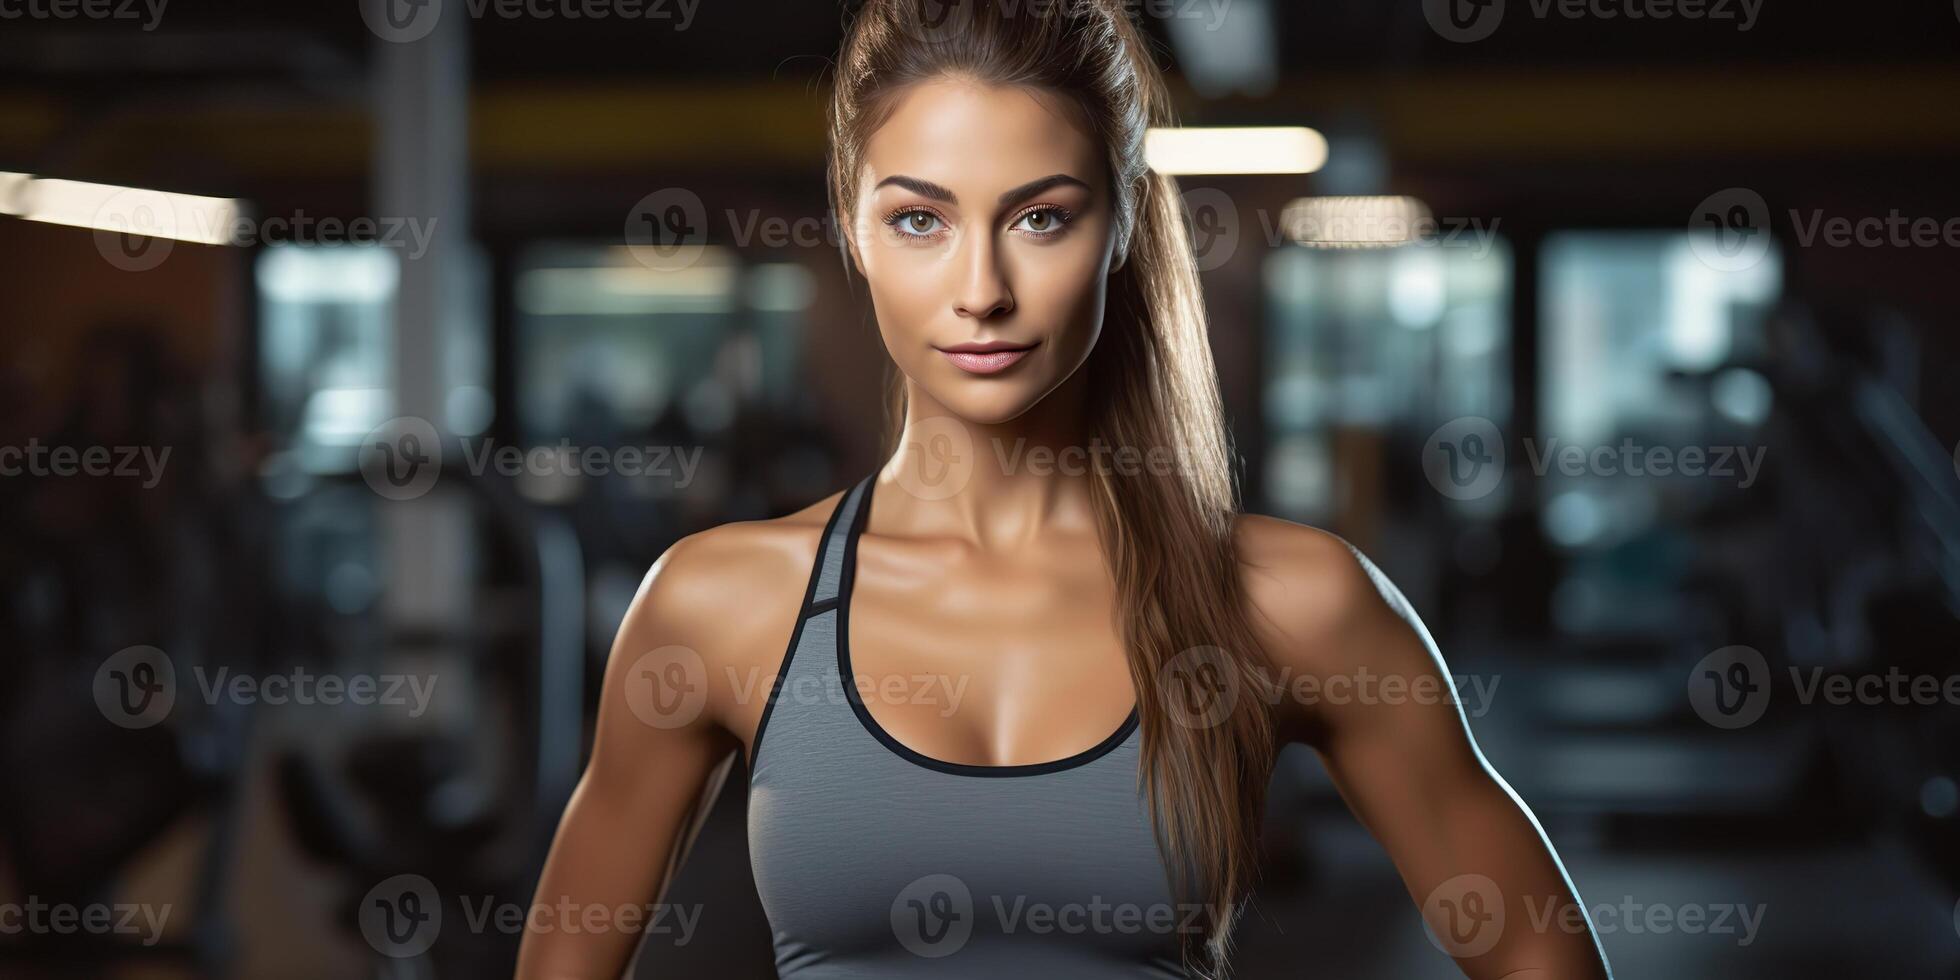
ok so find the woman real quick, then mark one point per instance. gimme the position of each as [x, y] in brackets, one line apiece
[1038, 664]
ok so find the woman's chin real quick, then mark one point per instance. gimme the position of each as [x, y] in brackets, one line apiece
[987, 401]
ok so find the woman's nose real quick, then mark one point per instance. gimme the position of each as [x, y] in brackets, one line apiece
[983, 290]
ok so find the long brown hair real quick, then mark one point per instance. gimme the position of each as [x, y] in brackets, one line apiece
[1166, 531]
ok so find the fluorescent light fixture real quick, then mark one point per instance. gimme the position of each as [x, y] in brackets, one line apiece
[300, 275]
[1235, 150]
[11, 185]
[130, 210]
[1356, 222]
[706, 287]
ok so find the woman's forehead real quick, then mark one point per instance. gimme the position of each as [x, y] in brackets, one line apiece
[961, 133]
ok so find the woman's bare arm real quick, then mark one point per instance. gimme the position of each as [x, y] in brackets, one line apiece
[1364, 685]
[691, 666]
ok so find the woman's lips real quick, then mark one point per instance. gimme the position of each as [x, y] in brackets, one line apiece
[984, 358]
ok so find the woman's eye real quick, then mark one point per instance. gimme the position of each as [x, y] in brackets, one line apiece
[1042, 221]
[917, 223]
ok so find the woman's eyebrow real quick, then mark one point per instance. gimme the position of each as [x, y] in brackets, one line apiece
[1033, 187]
[926, 188]
[923, 188]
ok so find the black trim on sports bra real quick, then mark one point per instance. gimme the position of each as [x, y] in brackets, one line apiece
[844, 587]
[804, 611]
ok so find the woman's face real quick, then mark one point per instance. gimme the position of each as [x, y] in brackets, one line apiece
[984, 220]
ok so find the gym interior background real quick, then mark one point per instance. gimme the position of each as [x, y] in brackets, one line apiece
[1649, 413]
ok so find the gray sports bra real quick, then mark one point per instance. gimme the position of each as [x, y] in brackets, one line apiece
[874, 861]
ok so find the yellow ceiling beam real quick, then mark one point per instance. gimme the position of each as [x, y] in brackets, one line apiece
[548, 128]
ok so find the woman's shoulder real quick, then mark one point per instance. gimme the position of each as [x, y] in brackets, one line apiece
[1311, 592]
[729, 591]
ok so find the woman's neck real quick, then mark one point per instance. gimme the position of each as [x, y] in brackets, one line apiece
[995, 485]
